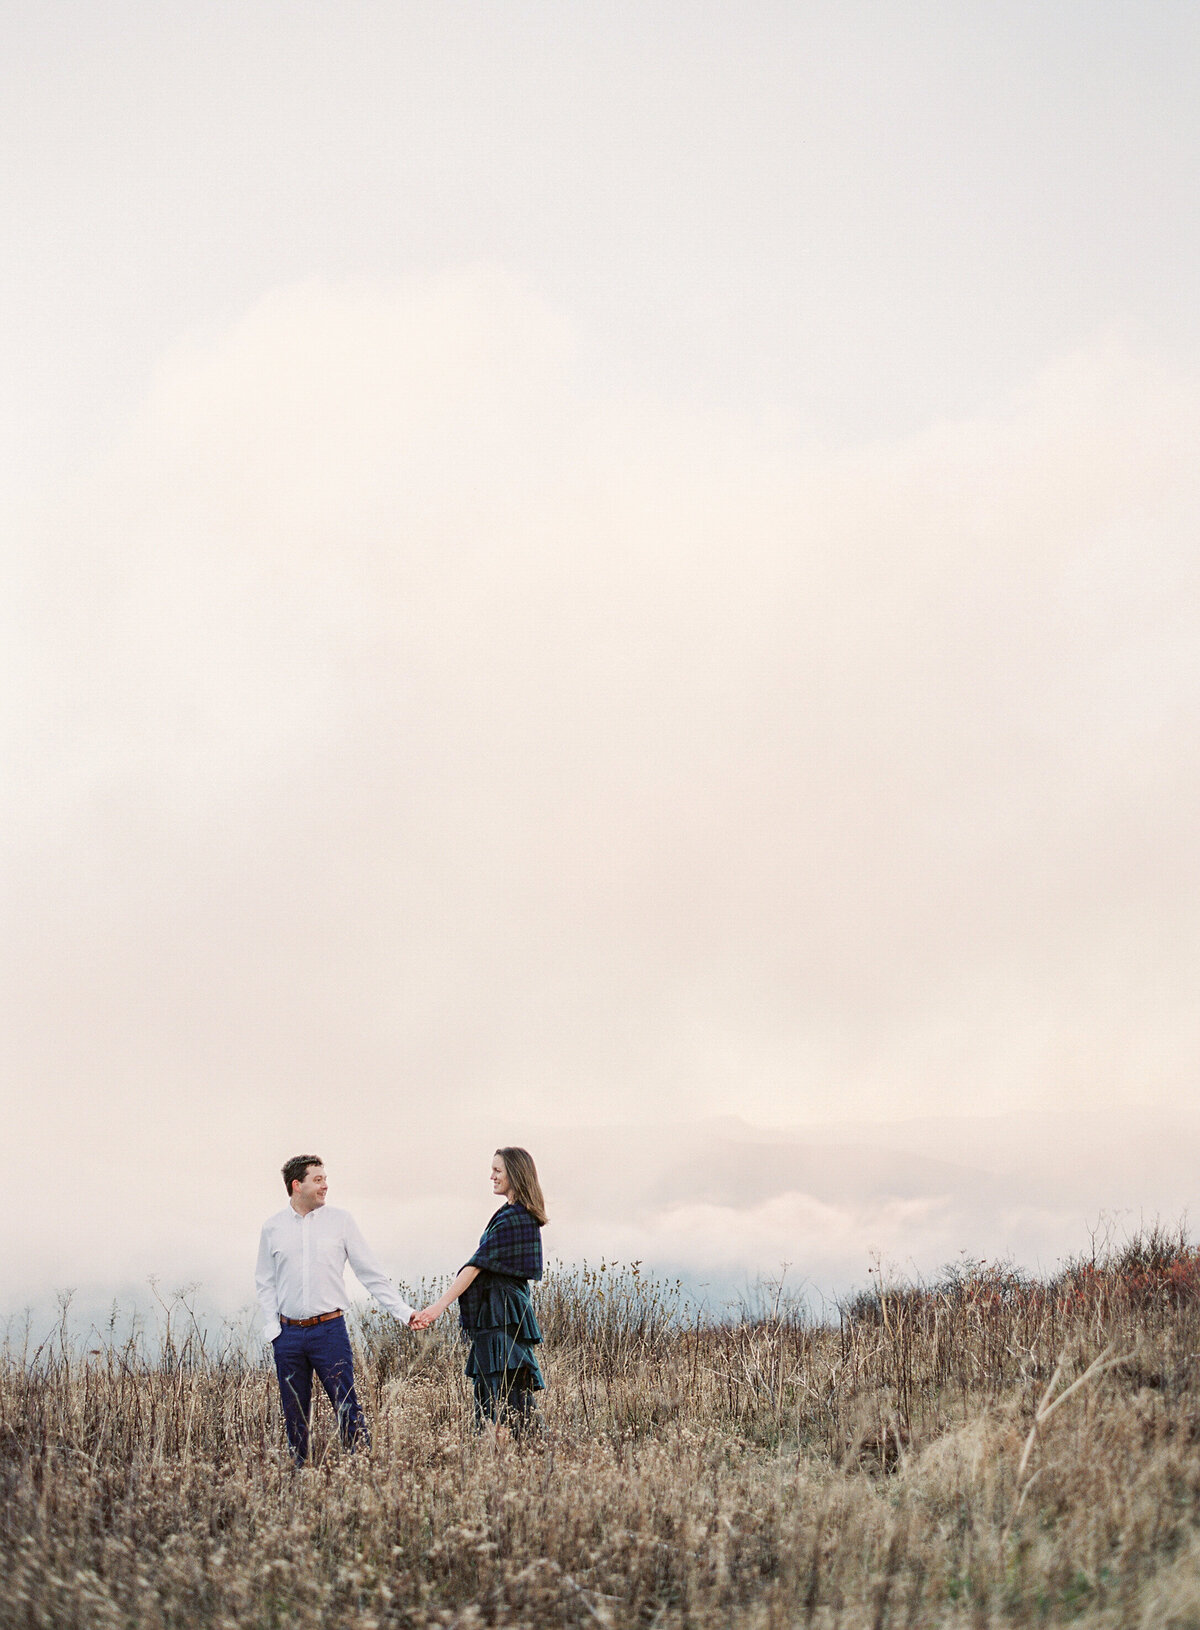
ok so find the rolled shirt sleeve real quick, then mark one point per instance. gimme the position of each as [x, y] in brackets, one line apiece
[371, 1275]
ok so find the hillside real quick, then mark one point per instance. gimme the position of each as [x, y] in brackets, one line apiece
[988, 1450]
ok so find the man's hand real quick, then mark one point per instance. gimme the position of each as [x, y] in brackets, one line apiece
[422, 1321]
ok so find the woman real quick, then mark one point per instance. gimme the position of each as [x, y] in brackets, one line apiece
[492, 1291]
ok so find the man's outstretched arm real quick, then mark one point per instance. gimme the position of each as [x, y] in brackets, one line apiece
[372, 1277]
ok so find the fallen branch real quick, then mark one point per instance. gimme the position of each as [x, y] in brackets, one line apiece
[1047, 1407]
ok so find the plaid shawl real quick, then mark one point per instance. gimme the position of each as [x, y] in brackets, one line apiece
[511, 1244]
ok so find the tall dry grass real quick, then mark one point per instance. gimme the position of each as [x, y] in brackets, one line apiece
[986, 1450]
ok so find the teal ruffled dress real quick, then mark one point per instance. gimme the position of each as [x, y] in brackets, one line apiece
[499, 1322]
[503, 1331]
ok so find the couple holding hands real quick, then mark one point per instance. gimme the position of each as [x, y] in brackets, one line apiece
[299, 1279]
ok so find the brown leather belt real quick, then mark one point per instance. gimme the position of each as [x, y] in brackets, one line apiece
[319, 1318]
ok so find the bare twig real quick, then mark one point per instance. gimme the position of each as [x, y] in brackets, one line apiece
[1047, 1408]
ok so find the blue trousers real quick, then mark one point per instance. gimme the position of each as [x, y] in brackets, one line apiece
[325, 1349]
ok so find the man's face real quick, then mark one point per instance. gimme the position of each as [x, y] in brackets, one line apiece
[310, 1193]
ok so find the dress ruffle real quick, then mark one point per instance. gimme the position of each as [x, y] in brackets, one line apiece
[504, 1330]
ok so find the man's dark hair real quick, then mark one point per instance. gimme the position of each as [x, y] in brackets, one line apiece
[296, 1170]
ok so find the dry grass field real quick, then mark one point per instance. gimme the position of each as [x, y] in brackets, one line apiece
[984, 1451]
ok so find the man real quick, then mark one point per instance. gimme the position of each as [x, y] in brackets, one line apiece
[302, 1257]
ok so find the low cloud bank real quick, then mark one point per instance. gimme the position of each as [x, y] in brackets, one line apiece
[721, 1204]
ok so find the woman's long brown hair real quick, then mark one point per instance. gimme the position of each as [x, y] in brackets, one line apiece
[523, 1181]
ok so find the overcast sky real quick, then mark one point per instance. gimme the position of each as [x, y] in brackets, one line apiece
[592, 566]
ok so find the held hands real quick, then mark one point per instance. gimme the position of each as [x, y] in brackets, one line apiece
[467, 1275]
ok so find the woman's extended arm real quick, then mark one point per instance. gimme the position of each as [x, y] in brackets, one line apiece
[464, 1277]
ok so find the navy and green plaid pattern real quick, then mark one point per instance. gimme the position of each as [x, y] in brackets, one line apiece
[511, 1244]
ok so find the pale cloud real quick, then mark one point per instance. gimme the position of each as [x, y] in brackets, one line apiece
[725, 1206]
[407, 728]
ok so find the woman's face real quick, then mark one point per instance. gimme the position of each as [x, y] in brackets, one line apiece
[500, 1178]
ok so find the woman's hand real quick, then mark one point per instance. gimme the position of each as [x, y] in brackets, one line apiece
[465, 1276]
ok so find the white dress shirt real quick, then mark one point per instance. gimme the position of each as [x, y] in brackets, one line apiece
[302, 1264]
